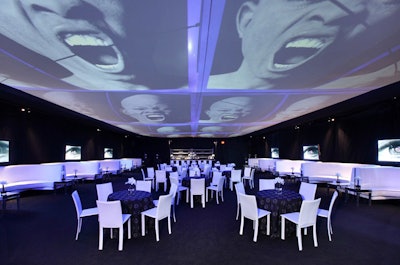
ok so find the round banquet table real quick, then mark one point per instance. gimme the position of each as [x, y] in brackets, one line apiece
[286, 201]
[133, 203]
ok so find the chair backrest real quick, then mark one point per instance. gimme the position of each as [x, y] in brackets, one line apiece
[308, 190]
[143, 185]
[197, 186]
[239, 187]
[150, 172]
[110, 213]
[215, 178]
[173, 174]
[248, 204]
[266, 184]
[143, 175]
[103, 190]
[194, 172]
[333, 199]
[174, 180]
[161, 175]
[164, 206]
[77, 202]
[236, 175]
[308, 212]
[221, 182]
[173, 190]
[247, 172]
[184, 172]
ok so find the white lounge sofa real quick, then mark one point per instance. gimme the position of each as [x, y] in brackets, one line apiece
[383, 181]
[287, 167]
[83, 170]
[328, 171]
[17, 178]
[112, 166]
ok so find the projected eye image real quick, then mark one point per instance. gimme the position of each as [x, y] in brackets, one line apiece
[183, 68]
[311, 152]
[274, 152]
[72, 152]
[4, 151]
[389, 150]
[108, 153]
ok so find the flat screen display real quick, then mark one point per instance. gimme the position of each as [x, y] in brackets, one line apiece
[192, 68]
[274, 152]
[4, 151]
[108, 153]
[311, 152]
[73, 152]
[389, 150]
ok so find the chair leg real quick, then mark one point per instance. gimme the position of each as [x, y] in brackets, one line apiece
[268, 224]
[283, 228]
[203, 200]
[315, 235]
[241, 225]
[121, 238]
[78, 228]
[187, 196]
[143, 225]
[101, 238]
[191, 201]
[255, 230]
[157, 230]
[173, 212]
[207, 194]
[329, 227]
[216, 196]
[237, 211]
[129, 229]
[169, 225]
[299, 241]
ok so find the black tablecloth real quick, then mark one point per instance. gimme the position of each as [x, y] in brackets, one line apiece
[133, 203]
[285, 202]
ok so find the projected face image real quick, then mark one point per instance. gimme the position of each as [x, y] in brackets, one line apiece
[389, 150]
[311, 152]
[72, 152]
[229, 109]
[275, 47]
[4, 151]
[83, 36]
[145, 108]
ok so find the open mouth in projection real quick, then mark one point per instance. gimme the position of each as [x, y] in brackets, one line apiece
[298, 51]
[95, 50]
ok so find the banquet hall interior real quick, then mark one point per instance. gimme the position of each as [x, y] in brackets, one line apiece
[244, 80]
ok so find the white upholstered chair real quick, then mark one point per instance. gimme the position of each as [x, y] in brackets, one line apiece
[150, 175]
[239, 188]
[249, 210]
[308, 190]
[236, 176]
[175, 180]
[162, 211]
[266, 184]
[218, 189]
[327, 214]
[143, 185]
[111, 216]
[197, 188]
[305, 218]
[161, 177]
[81, 213]
[248, 175]
[103, 190]
[172, 190]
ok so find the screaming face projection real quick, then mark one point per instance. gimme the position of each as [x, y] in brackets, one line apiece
[196, 68]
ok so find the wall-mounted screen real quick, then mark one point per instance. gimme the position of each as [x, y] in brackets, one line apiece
[274, 152]
[72, 152]
[4, 151]
[108, 152]
[389, 150]
[311, 152]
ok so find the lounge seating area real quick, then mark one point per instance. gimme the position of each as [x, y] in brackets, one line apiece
[19, 178]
